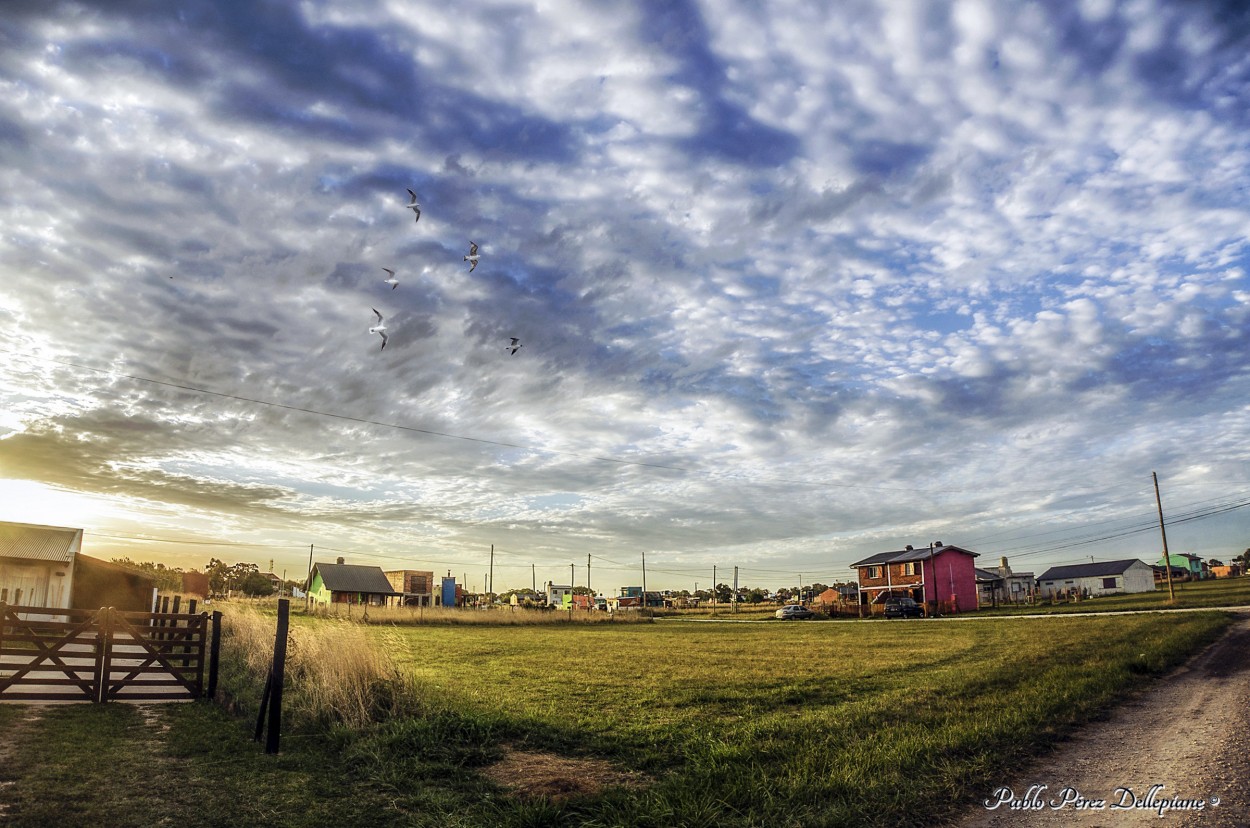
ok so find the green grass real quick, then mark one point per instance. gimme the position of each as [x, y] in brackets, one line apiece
[793, 724]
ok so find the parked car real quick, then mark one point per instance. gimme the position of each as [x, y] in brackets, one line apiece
[902, 607]
[793, 611]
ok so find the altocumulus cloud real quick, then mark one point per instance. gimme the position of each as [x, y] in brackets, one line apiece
[794, 284]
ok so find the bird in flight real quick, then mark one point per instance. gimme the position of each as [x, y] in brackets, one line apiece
[472, 257]
[379, 329]
[414, 206]
[514, 346]
[393, 282]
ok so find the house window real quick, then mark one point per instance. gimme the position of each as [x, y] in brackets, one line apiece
[873, 572]
[1108, 583]
[909, 568]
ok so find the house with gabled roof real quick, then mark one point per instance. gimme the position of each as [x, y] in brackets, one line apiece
[37, 564]
[941, 575]
[1097, 578]
[344, 583]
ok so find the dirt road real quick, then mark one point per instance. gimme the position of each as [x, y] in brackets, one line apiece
[1177, 755]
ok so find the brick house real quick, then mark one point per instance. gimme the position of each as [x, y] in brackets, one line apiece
[942, 574]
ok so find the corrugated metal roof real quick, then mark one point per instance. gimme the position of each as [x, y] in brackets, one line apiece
[1098, 569]
[39, 543]
[355, 578]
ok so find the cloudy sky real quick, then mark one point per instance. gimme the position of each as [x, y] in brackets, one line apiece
[793, 286]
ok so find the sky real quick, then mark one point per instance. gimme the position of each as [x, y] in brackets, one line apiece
[794, 283]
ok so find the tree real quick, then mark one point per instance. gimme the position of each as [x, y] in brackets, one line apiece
[1215, 562]
[217, 573]
[254, 584]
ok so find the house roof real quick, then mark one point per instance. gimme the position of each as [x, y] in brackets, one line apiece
[905, 555]
[354, 578]
[1089, 570]
[986, 574]
[56, 544]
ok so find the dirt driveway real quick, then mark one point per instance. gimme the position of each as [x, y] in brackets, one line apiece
[1177, 755]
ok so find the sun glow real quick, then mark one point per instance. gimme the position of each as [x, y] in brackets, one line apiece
[25, 501]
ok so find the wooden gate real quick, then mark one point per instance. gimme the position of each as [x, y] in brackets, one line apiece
[60, 655]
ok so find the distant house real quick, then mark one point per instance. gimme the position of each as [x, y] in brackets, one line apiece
[344, 583]
[416, 587]
[559, 596]
[942, 574]
[37, 564]
[1194, 567]
[1099, 578]
[1226, 571]
[1001, 585]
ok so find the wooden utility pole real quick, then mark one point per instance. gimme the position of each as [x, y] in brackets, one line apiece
[1167, 558]
[490, 584]
[713, 589]
[592, 594]
[308, 583]
[644, 583]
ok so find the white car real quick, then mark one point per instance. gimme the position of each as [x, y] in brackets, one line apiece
[793, 611]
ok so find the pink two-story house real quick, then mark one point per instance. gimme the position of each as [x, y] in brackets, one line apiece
[937, 573]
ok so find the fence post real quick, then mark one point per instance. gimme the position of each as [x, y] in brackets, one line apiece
[214, 655]
[103, 666]
[278, 673]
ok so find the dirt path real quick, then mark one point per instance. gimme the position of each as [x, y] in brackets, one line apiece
[1189, 734]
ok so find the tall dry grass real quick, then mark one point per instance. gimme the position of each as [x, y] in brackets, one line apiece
[337, 672]
[508, 616]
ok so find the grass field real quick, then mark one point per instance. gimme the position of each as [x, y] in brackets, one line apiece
[785, 724]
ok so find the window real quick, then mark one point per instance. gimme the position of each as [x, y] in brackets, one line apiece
[909, 568]
[1108, 583]
[873, 572]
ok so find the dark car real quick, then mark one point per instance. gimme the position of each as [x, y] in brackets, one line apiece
[902, 607]
[793, 611]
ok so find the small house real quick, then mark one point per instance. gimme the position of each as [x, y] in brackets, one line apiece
[416, 587]
[938, 573]
[559, 596]
[1193, 566]
[1098, 578]
[344, 583]
[37, 564]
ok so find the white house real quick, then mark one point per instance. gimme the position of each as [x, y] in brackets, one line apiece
[559, 595]
[1101, 578]
[37, 564]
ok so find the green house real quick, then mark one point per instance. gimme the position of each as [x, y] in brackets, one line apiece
[1192, 564]
[343, 583]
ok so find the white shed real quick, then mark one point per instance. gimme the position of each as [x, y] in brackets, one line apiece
[37, 564]
[1100, 578]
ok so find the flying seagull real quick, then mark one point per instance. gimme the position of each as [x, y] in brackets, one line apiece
[414, 206]
[379, 329]
[393, 282]
[472, 257]
[515, 346]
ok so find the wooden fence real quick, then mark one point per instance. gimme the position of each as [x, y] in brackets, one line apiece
[63, 655]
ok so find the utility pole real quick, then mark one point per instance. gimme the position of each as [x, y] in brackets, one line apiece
[713, 589]
[735, 598]
[644, 581]
[533, 579]
[490, 583]
[572, 577]
[588, 589]
[1167, 558]
[308, 583]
